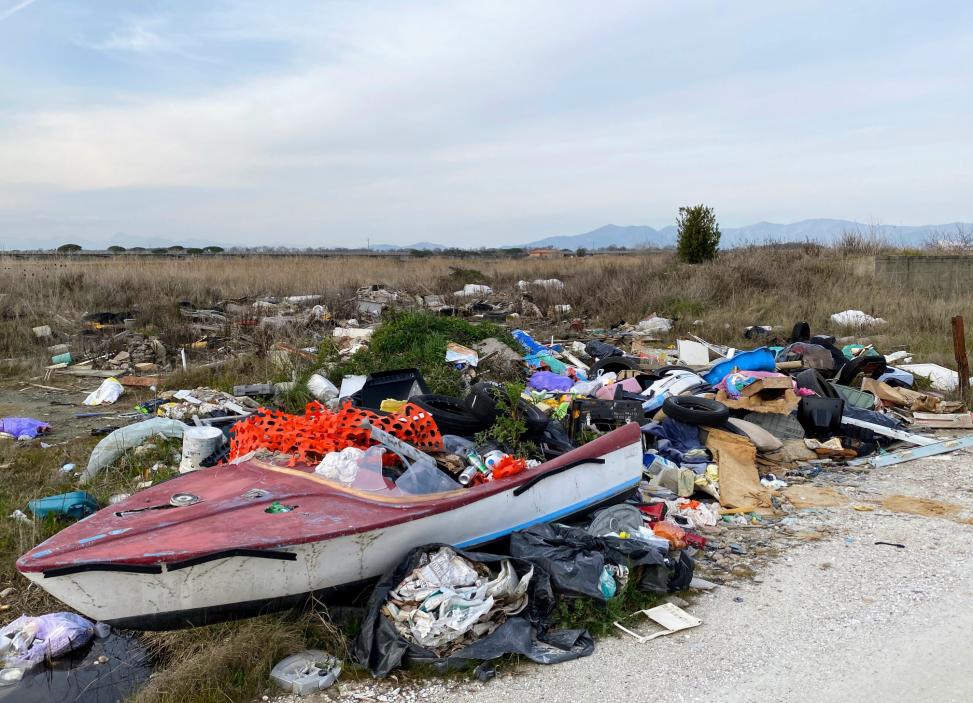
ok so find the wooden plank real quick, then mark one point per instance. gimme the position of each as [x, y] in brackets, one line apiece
[92, 373]
[139, 381]
[960, 421]
[959, 352]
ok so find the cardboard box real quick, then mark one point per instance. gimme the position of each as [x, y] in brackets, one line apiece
[773, 400]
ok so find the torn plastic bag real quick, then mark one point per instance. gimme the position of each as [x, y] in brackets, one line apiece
[27, 641]
[576, 559]
[382, 649]
[121, 440]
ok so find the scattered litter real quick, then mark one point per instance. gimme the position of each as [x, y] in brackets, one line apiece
[856, 318]
[74, 505]
[22, 428]
[107, 393]
[671, 617]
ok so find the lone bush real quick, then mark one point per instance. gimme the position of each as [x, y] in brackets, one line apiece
[699, 234]
[69, 248]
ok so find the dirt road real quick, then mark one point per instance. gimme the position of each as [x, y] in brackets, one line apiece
[828, 618]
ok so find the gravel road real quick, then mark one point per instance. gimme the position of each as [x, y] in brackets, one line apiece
[831, 615]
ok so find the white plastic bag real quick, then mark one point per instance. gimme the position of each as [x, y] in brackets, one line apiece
[107, 393]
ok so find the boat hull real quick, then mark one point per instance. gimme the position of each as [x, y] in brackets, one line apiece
[190, 593]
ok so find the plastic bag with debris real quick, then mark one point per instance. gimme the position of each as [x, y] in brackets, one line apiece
[447, 601]
[28, 641]
[428, 597]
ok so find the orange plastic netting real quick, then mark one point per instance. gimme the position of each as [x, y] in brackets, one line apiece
[307, 438]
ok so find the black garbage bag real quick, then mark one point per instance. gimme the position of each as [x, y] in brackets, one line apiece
[575, 560]
[381, 648]
[601, 350]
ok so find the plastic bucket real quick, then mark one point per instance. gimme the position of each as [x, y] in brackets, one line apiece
[197, 444]
[61, 358]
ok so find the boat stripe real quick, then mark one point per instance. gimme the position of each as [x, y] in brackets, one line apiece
[550, 516]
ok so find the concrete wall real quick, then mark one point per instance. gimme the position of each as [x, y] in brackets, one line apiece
[950, 274]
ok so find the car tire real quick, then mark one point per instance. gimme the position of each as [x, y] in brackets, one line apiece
[481, 402]
[694, 410]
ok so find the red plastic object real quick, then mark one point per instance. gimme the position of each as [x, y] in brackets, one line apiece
[694, 540]
[654, 511]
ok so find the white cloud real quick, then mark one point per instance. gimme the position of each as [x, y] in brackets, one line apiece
[448, 115]
[11, 11]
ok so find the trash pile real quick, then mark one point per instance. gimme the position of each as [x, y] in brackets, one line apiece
[679, 439]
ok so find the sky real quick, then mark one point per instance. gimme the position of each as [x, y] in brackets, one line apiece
[473, 123]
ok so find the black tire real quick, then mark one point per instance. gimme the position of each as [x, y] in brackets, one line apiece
[450, 414]
[534, 418]
[481, 402]
[694, 410]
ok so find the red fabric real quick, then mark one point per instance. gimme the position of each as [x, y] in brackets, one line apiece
[307, 438]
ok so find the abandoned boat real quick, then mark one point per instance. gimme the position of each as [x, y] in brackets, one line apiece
[255, 537]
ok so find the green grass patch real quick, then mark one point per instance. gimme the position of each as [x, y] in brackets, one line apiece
[232, 661]
[599, 618]
[418, 340]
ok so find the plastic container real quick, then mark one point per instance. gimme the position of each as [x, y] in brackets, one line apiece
[197, 444]
[61, 358]
[74, 505]
[306, 672]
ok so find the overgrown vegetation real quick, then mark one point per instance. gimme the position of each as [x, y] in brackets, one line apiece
[418, 340]
[509, 429]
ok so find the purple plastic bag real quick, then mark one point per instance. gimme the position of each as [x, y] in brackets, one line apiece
[21, 427]
[56, 634]
[547, 381]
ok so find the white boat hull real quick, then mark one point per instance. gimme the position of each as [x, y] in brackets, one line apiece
[156, 601]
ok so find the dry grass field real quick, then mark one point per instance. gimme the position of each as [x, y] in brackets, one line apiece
[768, 285]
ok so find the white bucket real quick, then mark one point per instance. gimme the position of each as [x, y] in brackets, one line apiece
[197, 444]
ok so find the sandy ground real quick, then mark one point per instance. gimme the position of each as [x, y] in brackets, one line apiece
[831, 616]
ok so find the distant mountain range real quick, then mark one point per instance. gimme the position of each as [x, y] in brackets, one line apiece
[824, 231]
[819, 230]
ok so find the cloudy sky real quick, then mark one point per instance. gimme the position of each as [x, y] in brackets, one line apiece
[330, 122]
